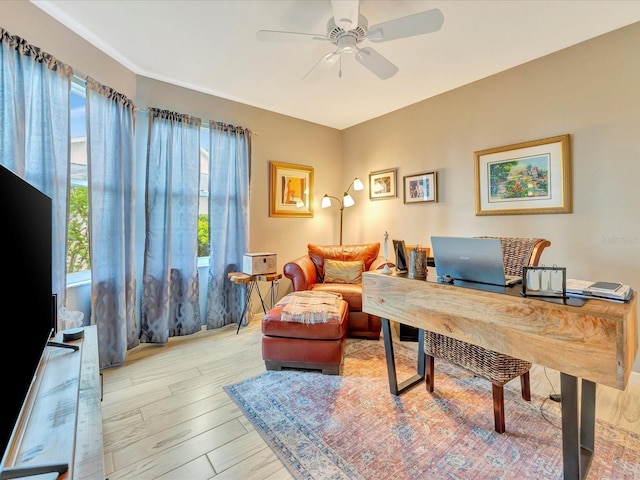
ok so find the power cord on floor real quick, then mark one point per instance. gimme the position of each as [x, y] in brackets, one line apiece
[553, 397]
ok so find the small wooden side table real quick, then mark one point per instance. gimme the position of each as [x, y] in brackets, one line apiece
[251, 283]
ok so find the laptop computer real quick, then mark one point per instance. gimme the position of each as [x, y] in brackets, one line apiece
[471, 259]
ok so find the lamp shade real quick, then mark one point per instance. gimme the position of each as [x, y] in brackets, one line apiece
[326, 201]
[358, 185]
[348, 200]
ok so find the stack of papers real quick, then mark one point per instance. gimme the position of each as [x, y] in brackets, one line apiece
[613, 291]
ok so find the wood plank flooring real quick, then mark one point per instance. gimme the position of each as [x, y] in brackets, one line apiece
[165, 415]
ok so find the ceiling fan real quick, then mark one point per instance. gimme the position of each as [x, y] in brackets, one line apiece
[347, 28]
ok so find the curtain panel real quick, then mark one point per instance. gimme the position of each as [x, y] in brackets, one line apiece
[111, 169]
[170, 290]
[35, 91]
[229, 179]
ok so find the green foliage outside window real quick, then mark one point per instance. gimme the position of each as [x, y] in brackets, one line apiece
[78, 258]
[203, 235]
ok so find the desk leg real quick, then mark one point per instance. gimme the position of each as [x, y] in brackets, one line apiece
[394, 387]
[578, 426]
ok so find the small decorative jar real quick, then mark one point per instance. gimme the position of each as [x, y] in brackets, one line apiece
[418, 263]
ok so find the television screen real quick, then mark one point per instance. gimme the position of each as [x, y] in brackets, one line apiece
[26, 287]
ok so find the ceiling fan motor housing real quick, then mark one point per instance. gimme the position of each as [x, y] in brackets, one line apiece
[346, 40]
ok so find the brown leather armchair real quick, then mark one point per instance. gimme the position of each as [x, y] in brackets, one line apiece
[308, 273]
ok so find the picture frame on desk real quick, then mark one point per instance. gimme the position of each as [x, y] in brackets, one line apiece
[524, 178]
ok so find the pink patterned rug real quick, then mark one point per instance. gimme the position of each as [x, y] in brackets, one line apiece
[351, 427]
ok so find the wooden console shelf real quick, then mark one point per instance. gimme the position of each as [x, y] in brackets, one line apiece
[62, 421]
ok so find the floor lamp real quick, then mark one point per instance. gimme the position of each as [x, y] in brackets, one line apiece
[346, 201]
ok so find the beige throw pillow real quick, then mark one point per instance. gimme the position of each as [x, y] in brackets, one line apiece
[338, 271]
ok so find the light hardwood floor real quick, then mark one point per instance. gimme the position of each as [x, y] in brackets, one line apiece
[165, 415]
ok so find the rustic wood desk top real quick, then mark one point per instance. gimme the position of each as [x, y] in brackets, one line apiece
[597, 341]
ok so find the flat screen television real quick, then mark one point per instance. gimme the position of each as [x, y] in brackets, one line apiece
[26, 288]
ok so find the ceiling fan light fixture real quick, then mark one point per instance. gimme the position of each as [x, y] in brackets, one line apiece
[347, 43]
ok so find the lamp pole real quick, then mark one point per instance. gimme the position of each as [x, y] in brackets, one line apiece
[346, 198]
[341, 203]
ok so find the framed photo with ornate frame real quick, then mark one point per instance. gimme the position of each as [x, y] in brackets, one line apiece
[382, 184]
[421, 187]
[524, 178]
[290, 190]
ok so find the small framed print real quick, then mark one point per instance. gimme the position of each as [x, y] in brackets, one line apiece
[290, 190]
[421, 187]
[382, 184]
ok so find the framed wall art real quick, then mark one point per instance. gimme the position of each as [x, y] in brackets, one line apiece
[421, 187]
[382, 184]
[524, 178]
[290, 190]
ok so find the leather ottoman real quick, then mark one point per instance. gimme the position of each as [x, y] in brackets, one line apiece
[310, 346]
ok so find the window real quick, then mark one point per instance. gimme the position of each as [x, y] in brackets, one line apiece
[78, 259]
[203, 204]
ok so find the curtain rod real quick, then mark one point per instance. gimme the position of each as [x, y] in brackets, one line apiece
[83, 81]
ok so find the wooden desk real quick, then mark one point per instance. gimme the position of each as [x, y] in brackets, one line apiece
[596, 342]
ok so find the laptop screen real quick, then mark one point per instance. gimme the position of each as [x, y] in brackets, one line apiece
[470, 259]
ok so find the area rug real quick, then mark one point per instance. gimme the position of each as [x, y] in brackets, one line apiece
[351, 427]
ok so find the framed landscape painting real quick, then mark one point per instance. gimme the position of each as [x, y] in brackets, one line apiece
[290, 190]
[524, 178]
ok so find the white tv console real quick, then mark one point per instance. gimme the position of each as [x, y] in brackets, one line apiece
[61, 420]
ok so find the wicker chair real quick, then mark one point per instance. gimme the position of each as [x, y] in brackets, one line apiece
[493, 366]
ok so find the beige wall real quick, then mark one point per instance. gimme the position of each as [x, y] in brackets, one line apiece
[591, 91]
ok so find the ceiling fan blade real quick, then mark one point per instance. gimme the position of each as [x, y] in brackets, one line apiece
[279, 36]
[375, 62]
[345, 13]
[409, 26]
[321, 66]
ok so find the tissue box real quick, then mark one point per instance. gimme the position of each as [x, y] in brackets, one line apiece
[259, 263]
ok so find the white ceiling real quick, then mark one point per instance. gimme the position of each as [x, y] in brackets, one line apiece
[211, 46]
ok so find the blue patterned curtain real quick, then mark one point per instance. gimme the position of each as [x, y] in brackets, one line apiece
[170, 291]
[229, 179]
[111, 168]
[34, 133]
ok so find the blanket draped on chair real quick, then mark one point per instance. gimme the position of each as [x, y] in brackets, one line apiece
[310, 307]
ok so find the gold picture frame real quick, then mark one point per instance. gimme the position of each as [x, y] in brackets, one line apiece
[524, 178]
[382, 184]
[420, 187]
[290, 190]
